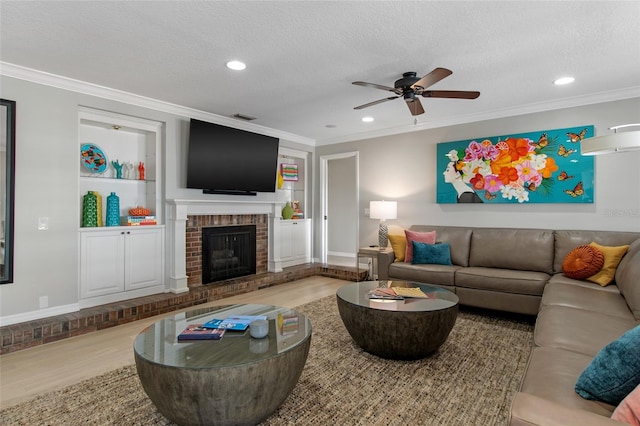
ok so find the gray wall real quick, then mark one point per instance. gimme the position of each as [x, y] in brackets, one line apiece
[397, 167]
[47, 155]
[402, 168]
[341, 205]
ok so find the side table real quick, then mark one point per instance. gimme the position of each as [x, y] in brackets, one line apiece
[371, 253]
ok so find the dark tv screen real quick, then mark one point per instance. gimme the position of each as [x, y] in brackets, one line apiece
[227, 160]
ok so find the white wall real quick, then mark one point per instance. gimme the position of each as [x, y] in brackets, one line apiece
[402, 168]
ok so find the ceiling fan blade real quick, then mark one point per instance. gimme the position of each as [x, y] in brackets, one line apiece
[376, 102]
[376, 86]
[415, 106]
[458, 94]
[433, 77]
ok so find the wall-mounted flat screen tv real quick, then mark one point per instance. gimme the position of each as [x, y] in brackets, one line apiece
[224, 160]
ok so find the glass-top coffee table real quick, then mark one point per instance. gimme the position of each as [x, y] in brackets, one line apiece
[397, 329]
[233, 381]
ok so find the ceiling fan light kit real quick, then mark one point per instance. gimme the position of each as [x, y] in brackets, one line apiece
[615, 142]
[410, 86]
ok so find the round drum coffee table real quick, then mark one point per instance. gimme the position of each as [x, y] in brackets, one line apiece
[237, 380]
[397, 329]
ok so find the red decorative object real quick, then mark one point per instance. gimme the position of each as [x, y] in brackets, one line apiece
[139, 211]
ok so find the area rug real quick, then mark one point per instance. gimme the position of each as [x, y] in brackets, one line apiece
[470, 380]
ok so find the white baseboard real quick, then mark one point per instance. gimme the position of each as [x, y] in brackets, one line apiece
[39, 314]
[341, 254]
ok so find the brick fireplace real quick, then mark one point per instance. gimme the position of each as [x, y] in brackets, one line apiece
[194, 255]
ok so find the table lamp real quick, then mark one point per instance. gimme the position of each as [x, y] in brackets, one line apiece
[383, 210]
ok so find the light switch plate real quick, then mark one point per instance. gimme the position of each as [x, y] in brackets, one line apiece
[43, 223]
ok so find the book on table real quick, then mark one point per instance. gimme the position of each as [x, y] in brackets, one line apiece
[198, 332]
[234, 323]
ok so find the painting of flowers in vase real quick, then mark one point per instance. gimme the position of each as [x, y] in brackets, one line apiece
[536, 167]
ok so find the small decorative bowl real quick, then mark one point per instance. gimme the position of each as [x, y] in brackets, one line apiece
[259, 328]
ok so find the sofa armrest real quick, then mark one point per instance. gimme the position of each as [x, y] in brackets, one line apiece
[527, 410]
[385, 259]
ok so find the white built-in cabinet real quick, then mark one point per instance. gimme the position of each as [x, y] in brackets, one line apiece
[292, 237]
[121, 262]
[295, 241]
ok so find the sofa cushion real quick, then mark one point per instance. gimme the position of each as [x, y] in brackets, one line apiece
[502, 280]
[458, 237]
[614, 372]
[582, 262]
[612, 257]
[565, 241]
[629, 409]
[552, 373]
[399, 245]
[517, 249]
[627, 278]
[422, 237]
[561, 279]
[431, 253]
[578, 330]
[592, 299]
[442, 275]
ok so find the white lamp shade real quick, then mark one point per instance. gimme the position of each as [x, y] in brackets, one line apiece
[615, 142]
[383, 210]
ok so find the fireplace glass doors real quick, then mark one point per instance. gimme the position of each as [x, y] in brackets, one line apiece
[228, 252]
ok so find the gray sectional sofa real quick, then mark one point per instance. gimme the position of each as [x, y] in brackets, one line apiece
[520, 270]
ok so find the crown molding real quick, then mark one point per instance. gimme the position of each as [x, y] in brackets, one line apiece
[60, 82]
[65, 83]
[576, 101]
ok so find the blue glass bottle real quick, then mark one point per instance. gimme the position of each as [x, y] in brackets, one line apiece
[113, 210]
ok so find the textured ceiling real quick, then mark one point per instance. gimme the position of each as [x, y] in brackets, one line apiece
[303, 56]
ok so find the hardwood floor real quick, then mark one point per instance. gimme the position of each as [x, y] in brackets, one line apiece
[31, 372]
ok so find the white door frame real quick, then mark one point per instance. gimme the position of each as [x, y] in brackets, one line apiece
[324, 192]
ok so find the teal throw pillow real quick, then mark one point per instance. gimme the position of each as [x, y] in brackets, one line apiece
[439, 254]
[614, 372]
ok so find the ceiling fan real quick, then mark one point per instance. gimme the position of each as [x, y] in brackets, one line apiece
[410, 86]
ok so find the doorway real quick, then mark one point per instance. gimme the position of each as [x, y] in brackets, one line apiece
[339, 183]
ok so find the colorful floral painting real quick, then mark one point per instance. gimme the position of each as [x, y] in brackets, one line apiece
[536, 167]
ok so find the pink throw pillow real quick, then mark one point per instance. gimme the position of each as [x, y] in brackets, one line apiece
[419, 237]
[629, 409]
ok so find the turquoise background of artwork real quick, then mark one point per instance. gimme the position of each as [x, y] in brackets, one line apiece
[574, 174]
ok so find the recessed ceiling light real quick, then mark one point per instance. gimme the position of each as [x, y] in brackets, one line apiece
[236, 65]
[367, 119]
[564, 80]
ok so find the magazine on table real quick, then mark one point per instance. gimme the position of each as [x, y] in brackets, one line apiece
[234, 323]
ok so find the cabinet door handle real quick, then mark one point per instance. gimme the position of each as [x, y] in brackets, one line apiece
[122, 233]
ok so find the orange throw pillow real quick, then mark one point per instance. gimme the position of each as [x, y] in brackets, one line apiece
[582, 262]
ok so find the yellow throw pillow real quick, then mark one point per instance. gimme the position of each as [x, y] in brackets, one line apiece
[612, 257]
[399, 245]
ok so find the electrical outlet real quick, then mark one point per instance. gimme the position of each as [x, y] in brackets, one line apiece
[44, 302]
[366, 211]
